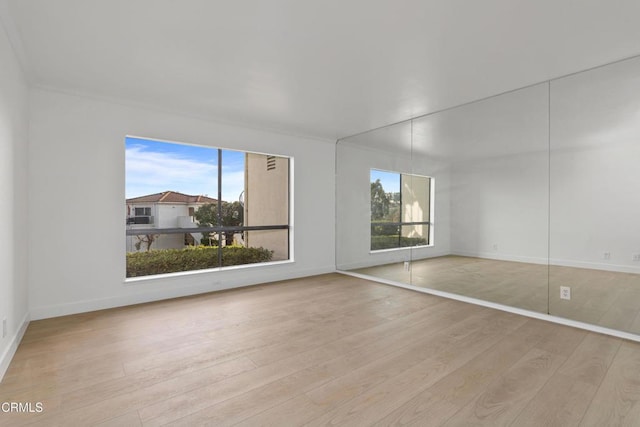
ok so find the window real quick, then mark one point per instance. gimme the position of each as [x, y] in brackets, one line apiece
[142, 211]
[401, 210]
[211, 207]
[139, 216]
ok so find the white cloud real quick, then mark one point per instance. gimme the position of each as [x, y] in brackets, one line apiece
[232, 185]
[149, 172]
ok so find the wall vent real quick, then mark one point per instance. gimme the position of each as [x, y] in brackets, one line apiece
[271, 163]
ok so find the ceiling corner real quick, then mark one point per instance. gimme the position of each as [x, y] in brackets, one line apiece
[13, 35]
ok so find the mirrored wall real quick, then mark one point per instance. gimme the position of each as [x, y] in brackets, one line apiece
[529, 199]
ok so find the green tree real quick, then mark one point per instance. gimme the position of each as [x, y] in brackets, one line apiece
[207, 215]
[232, 214]
[379, 201]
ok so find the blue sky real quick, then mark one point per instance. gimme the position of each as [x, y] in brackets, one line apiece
[154, 166]
[390, 180]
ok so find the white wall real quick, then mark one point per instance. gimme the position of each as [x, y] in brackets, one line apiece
[166, 216]
[500, 208]
[499, 175]
[77, 155]
[13, 201]
[595, 168]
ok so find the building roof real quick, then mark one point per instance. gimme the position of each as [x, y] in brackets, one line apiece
[172, 197]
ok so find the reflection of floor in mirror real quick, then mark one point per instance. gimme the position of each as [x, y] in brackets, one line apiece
[604, 298]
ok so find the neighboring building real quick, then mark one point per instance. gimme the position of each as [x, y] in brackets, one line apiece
[169, 209]
[266, 202]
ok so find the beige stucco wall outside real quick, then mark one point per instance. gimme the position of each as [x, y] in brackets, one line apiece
[266, 202]
[415, 194]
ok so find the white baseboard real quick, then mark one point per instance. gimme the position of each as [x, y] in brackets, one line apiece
[45, 312]
[378, 262]
[502, 257]
[617, 268]
[508, 309]
[595, 266]
[507, 257]
[10, 351]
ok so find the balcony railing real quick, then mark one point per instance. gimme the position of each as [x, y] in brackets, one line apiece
[132, 220]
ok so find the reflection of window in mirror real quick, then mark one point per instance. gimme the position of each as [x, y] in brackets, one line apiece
[400, 210]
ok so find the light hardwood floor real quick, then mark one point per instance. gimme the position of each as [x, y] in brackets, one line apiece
[323, 350]
[604, 298]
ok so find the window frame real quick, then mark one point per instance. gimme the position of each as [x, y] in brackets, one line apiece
[219, 229]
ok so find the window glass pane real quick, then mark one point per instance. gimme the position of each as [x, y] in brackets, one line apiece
[384, 236]
[233, 186]
[155, 166]
[266, 200]
[414, 235]
[385, 196]
[415, 198]
[400, 210]
[274, 241]
[149, 254]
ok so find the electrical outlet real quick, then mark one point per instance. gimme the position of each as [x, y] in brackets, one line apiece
[407, 266]
[606, 255]
[635, 257]
[565, 292]
[495, 246]
[4, 328]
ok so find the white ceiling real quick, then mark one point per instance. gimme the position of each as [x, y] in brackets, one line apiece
[324, 68]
